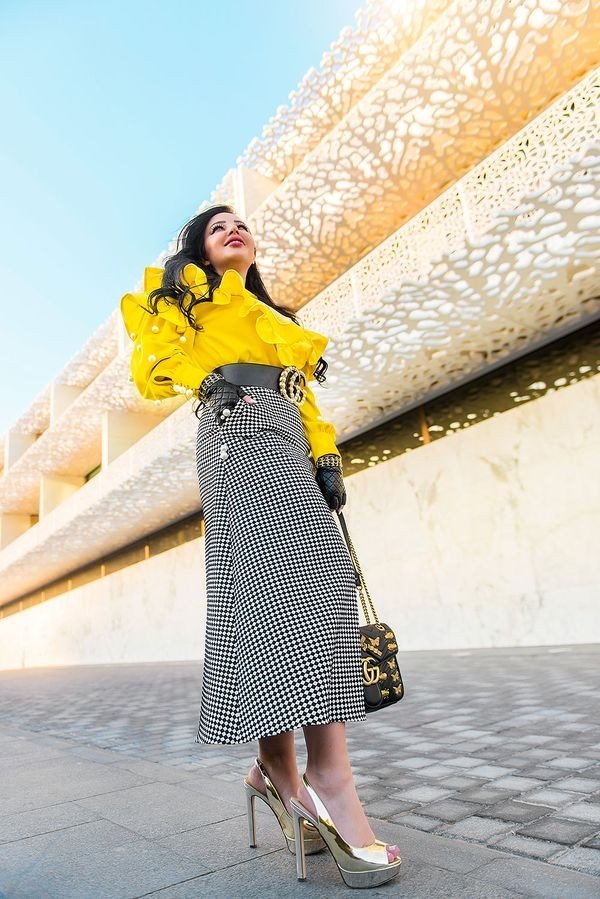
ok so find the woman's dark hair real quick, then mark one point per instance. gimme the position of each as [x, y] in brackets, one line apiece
[190, 248]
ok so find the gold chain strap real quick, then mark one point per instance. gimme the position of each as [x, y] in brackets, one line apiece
[366, 600]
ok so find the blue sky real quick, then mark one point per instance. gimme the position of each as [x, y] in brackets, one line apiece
[120, 118]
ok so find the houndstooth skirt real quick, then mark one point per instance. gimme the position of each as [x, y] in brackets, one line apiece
[282, 641]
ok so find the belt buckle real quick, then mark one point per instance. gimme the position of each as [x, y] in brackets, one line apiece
[291, 382]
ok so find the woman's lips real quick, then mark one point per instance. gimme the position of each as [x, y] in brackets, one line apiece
[234, 242]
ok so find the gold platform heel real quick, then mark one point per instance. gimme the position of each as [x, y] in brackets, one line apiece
[312, 839]
[359, 866]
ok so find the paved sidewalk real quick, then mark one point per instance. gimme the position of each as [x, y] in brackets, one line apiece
[487, 775]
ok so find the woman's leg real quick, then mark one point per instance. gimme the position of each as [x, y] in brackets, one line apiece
[278, 754]
[328, 772]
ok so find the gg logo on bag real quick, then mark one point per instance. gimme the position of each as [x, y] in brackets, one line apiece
[370, 672]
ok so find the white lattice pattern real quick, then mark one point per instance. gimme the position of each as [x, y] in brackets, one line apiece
[481, 71]
[467, 210]
[355, 62]
[534, 275]
[439, 209]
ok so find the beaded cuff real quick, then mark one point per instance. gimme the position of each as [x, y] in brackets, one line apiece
[207, 383]
[329, 460]
[188, 392]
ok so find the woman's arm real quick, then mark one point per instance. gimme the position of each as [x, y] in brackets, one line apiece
[159, 365]
[320, 434]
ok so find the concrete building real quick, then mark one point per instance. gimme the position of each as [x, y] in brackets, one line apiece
[430, 200]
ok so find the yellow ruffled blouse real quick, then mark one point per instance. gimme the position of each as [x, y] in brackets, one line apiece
[169, 356]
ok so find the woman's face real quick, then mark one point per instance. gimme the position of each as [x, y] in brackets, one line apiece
[229, 244]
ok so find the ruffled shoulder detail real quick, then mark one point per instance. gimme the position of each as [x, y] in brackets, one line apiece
[295, 345]
[134, 305]
[153, 277]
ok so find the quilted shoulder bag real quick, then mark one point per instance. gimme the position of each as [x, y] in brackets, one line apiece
[381, 676]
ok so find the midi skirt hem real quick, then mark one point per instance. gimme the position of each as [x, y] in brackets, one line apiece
[271, 733]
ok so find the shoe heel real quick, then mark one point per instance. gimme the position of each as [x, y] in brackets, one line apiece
[251, 816]
[299, 838]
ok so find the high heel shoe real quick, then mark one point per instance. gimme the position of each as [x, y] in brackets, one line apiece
[359, 866]
[312, 840]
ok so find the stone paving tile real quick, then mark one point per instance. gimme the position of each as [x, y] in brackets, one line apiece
[553, 798]
[528, 846]
[419, 821]
[582, 811]
[459, 782]
[465, 761]
[158, 809]
[516, 761]
[424, 793]
[437, 772]
[43, 820]
[425, 882]
[541, 773]
[570, 763]
[23, 789]
[518, 783]
[476, 828]
[581, 859]
[519, 812]
[472, 747]
[220, 845]
[450, 809]
[70, 862]
[136, 869]
[427, 746]
[489, 772]
[372, 790]
[474, 734]
[274, 878]
[579, 784]
[415, 763]
[402, 782]
[541, 755]
[530, 878]
[559, 830]
[444, 852]
[387, 808]
[485, 793]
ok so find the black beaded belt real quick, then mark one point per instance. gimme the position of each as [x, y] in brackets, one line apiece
[288, 381]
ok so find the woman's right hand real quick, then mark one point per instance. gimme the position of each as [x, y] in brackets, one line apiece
[222, 396]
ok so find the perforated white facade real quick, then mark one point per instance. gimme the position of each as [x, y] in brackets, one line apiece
[430, 199]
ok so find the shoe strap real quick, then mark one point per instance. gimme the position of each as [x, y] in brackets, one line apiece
[322, 812]
[374, 853]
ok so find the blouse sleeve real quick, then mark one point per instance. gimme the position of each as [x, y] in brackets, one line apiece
[320, 434]
[159, 365]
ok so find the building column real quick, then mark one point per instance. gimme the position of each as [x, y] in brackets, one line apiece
[120, 430]
[61, 397]
[55, 489]
[12, 526]
[15, 445]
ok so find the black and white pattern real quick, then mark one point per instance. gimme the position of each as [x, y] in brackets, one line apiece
[282, 641]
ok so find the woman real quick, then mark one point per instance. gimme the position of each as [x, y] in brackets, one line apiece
[282, 642]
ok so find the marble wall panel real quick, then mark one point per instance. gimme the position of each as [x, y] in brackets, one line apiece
[486, 538]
